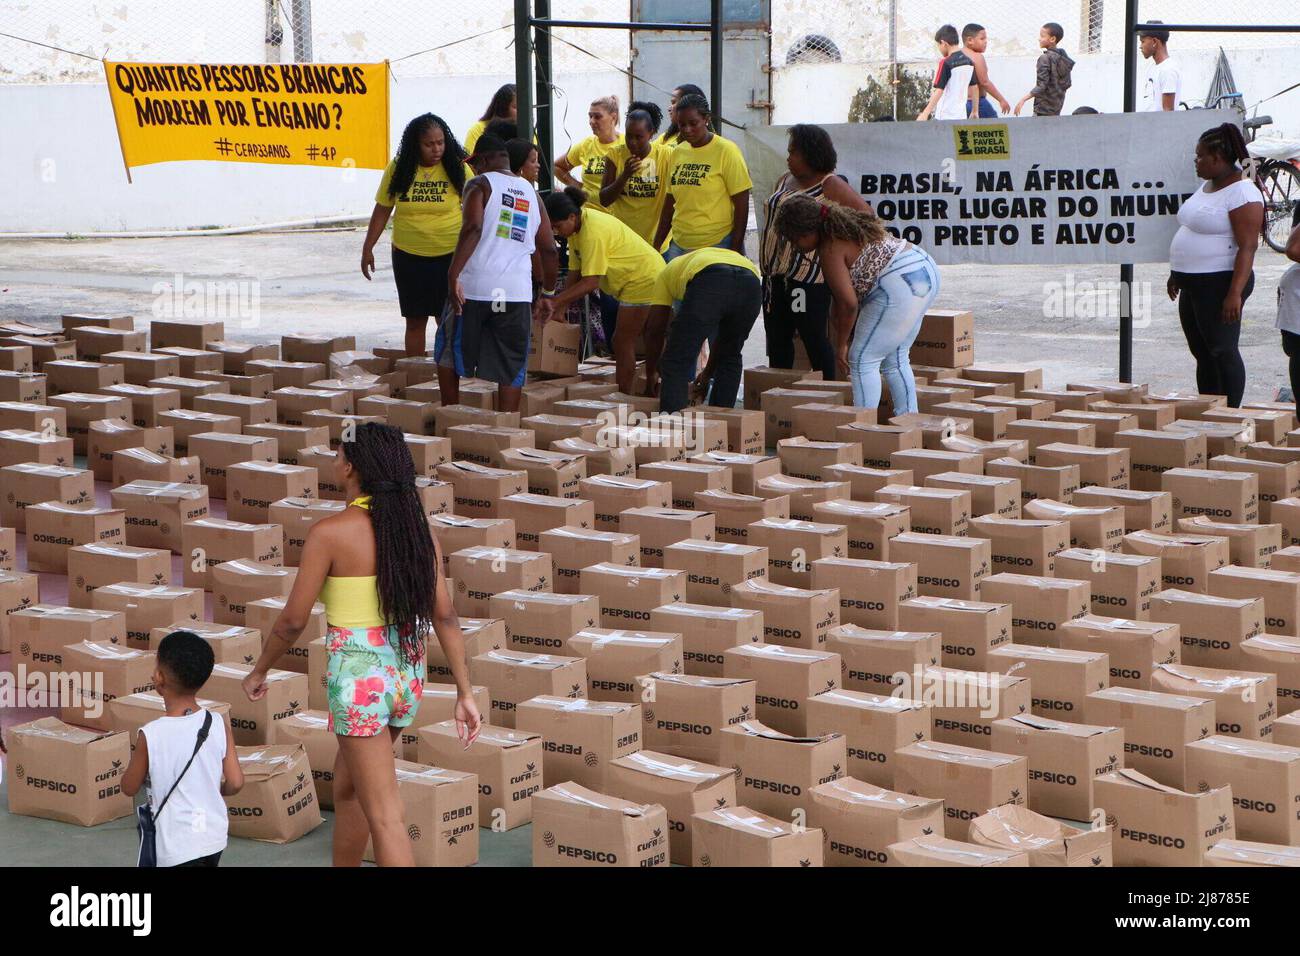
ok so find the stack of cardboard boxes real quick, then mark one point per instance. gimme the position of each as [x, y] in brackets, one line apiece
[796, 633]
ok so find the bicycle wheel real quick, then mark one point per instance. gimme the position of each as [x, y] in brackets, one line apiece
[1280, 184]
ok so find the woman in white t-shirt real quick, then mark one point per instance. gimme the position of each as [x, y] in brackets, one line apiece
[1288, 305]
[1211, 261]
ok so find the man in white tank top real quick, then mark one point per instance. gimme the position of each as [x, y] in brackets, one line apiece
[505, 234]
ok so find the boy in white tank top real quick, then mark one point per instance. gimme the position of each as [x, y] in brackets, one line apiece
[192, 828]
[505, 233]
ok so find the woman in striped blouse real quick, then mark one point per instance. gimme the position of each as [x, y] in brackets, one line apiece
[795, 297]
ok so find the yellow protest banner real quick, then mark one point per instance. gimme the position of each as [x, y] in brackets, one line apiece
[307, 114]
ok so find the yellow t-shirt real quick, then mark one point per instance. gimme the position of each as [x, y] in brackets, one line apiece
[472, 135]
[626, 263]
[642, 199]
[670, 286]
[426, 221]
[702, 182]
[667, 140]
[589, 156]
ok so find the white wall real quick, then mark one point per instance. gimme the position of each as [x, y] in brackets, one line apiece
[61, 163]
[821, 92]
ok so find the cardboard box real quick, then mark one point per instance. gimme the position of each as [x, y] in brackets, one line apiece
[289, 439]
[685, 715]
[191, 335]
[147, 402]
[64, 773]
[253, 486]
[22, 387]
[30, 484]
[793, 545]
[1286, 730]
[53, 528]
[932, 851]
[140, 367]
[818, 420]
[1245, 702]
[295, 517]
[208, 542]
[1047, 842]
[573, 549]
[1022, 545]
[1143, 510]
[861, 821]
[1277, 481]
[99, 320]
[479, 636]
[618, 462]
[293, 402]
[947, 566]
[628, 594]
[1247, 853]
[1134, 648]
[746, 469]
[542, 622]
[970, 629]
[870, 525]
[238, 583]
[1097, 529]
[278, 803]
[778, 406]
[485, 444]
[879, 442]
[1153, 452]
[775, 771]
[1040, 604]
[707, 633]
[437, 705]
[742, 837]
[574, 826]
[1105, 423]
[582, 739]
[186, 424]
[612, 496]
[970, 782]
[744, 427]
[1157, 728]
[448, 416]
[881, 662]
[760, 378]
[1186, 560]
[864, 482]
[936, 511]
[72, 375]
[1220, 438]
[514, 676]
[534, 514]
[1257, 424]
[93, 565]
[1122, 584]
[870, 592]
[786, 678]
[230, 643]
[550, 428]
[1064, 760]
[1053, 482]
[128, 714]
[33, 417]
[1278, 655]
[454, 533]
[481, 572]
[246, 408]
[122, 671]
[1061, 677]
[1159, 825]
[219, 451]
[687, 479]
[157, 511]
[549, 472]
[713, 568]
[16, 358]
[1264, 779]
[989, 495]
[967, 702]
[734, 513]
[873, 726]
[1212, 627]
[253, 721]
[618, 659]
[442, 804]
[141, 464]
[1279, 590]
[1221, 495]
[149, 606]
[508, 764]
[792, 617]
[1106, 467]
[946, 339]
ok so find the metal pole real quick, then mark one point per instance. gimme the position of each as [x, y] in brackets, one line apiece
[893, 55]
[523, 71]
[300, 11]
[545, 99]
[1126, 269]
[715, 60]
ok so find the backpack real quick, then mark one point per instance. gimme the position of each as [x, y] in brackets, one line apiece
[1062, 66]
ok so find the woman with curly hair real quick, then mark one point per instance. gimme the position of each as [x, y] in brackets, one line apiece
[375, 568]
[421, 190]
[880, 285]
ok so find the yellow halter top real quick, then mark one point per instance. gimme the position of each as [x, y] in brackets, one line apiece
[352, 601]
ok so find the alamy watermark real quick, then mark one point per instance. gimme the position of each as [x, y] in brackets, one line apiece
[42, 689]
[232, 300]
[1104, 299]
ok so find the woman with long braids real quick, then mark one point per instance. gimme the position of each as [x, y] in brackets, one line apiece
[421, 190]
[504, 106]
[881, 287]
[375, 567]
[1212, 261]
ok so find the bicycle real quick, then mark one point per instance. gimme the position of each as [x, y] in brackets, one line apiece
[1275, 168]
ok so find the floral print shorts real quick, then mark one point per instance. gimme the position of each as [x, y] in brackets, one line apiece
[369, 686]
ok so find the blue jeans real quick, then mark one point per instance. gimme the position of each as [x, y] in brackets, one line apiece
[720, 304]
[987, 110]
[889, 319]
[674, 250]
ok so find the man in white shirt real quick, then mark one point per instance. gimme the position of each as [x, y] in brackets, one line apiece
[1164, 85]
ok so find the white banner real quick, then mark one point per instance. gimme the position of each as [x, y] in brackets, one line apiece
[1067, 189]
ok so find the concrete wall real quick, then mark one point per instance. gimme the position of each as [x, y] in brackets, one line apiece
[61, 163]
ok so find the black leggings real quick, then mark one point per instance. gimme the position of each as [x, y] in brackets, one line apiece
[1291, 346]
[802, 307]
[1213, 342]
[204, 861]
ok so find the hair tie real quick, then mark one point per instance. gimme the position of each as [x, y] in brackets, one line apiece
[826, 211]
[386, 487]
